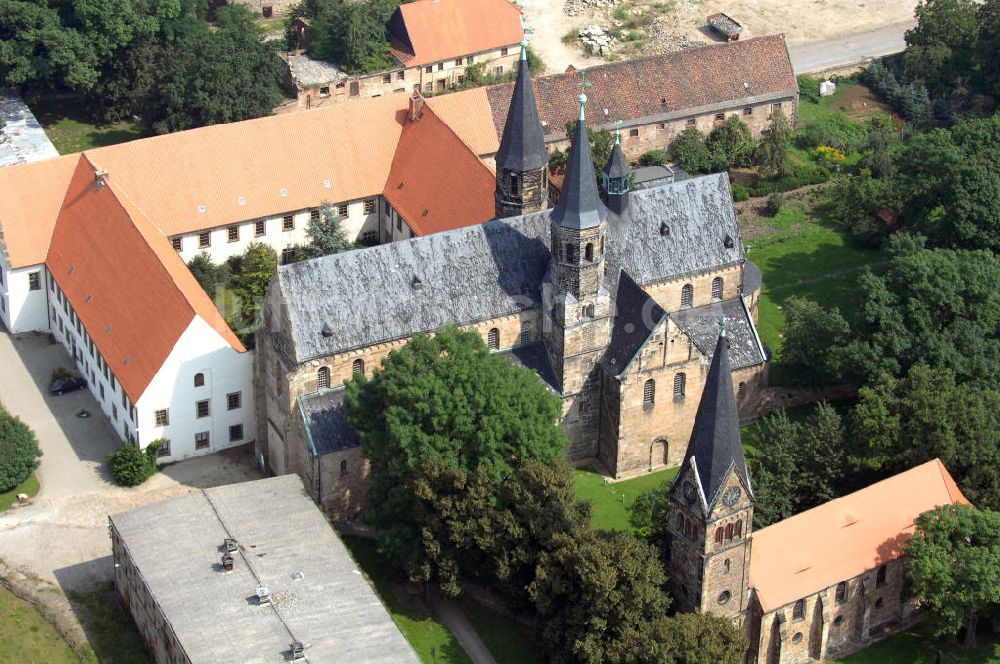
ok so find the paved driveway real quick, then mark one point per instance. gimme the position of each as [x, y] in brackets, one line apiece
[849, 49]
[73, 448]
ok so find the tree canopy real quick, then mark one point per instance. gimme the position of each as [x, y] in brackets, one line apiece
[19, 451]
[953, 564]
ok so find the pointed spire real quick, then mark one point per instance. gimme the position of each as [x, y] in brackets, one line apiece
[580, 204]
[715, 441]
[617, 165]
[522, 146]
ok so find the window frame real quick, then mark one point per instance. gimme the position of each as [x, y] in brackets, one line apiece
[204, 239]
[236, 429]
[288, 222]
[161, 417]
[202, 440]
[202, 408]
[260, 228]
[649, 393]
[233, 233]
[236, 397]
[35, 280]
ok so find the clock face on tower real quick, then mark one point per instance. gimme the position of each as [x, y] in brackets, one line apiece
[731, 496]
[690, 493]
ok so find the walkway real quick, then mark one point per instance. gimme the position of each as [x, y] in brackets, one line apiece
[454, 619]
[847, 50]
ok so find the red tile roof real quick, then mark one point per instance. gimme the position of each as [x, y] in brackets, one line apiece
[840, 539]
[439, 30]
[684, 80]
[436, 181]
[129, 287]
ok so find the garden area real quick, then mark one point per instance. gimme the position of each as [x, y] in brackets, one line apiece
[72, 130]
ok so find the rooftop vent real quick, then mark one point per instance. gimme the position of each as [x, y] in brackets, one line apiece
[416, 284]
[326, 184]
[89, 297]
[424, 213]
[101, 177]
[297, 576]
[128, 359]
[728, 242]
[263, 595]
[284, 192]
[298, 651]
[664, 229]
[242, 200]
[327, 331]
[201, 208]
[230, 544]
[107, 329]
[227, 562]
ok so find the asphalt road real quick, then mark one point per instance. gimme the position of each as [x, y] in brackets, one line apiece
[817, 56]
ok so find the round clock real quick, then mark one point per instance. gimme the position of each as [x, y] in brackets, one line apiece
[731, 496]
[690, 492]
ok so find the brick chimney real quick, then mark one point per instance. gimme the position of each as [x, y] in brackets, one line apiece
[416, 106]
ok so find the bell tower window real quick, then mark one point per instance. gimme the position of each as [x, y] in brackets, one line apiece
[570, 253]
[589, 252]
[515, 185]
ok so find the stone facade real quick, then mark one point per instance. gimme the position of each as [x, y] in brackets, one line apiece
[835, 622]
[520, 193]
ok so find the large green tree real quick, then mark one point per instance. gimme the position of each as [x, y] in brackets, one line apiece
[814, 339]
[953, 564]
[939, 49]
[326, 236]
[446, 396]
[353, 35]
[772, 151]
[693, 638]
[926, 414]
[19, 451]
[731, 144]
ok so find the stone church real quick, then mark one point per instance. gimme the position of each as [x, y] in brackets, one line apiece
[817, 586]
[613, 297]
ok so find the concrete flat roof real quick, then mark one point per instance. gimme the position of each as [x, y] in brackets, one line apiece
[318, 595]
[307, 72]
[22, 138]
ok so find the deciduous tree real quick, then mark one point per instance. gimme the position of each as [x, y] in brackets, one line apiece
[19, 451]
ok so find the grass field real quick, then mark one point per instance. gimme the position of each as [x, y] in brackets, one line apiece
[612, 500]
[432, 640]
[508, 641]
[70, 130]
[26, 638]
[29, 486]
[109, 626]
[914, 647]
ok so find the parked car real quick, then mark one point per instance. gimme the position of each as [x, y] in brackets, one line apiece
[69, 384]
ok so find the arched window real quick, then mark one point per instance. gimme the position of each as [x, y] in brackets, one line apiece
[570, 253]
[358, 367]
[726, 565]
[680, 381]
[716, 289]
[687, 295]
[718, 535]
[729, 531]
[649, 392]
[493, 338]
[679, 522]
[343, 467]
[525, 332]
[323, 378]
[841, 596]
[799, 612]
[602, 245]
[738, 528]
[514, 184]
[199, 380]
[741, 391]
[588, 252]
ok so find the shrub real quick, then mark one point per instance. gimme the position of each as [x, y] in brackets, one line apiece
[691, 153]
[800, 175]
[19, 451]
[808, 88]
[774, 203]
[131, 466]
[654, 158]
[740, 192]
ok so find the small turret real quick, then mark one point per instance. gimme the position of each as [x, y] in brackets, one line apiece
[580, 205]
[617, 178]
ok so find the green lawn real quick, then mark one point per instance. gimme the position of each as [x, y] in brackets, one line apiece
[432, 640]
[29, 486]
[508, 641]
[70, 130]
[914, 647]
[612, 500]
[26, 637]
[109, 626]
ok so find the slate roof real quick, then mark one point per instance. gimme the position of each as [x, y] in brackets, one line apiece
[702, 325]
[534, 356]
[318, 595]
[617, 166]
[580, 204]
[495, 269]
[636, 316]
[522, 143]
[22, 138]
[715, 450]
[662, 86]
[325, 418]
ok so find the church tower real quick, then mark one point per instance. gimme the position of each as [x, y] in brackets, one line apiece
[711, 504]
[617, 178]
[521, 159]
[575, 300]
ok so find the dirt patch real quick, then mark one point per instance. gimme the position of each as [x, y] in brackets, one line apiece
[860, 104]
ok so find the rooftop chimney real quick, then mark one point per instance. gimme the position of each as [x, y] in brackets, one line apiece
[416, 106]
[298, 651]
[227, 562]
[101, 177]
[263, 596]
[230, 544]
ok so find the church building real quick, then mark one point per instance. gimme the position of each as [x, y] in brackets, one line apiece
[612, 298]
[817, 586]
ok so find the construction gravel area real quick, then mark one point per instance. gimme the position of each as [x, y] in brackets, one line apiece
[680, 21]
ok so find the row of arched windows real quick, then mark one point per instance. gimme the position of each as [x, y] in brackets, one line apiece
[588, 251]
[649, 388]
[687, 292]
[730, 532]
[686, 526]
[323, 375]
[493, 336]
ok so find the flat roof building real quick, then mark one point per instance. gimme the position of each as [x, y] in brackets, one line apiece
[248, 573]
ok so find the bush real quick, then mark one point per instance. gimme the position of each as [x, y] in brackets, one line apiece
[808, 88]
[800, 176]
[654, 158]
[691, 153]
[774, 203]
[131, 466]
[740, 192]
[835, 130]
[19, 451]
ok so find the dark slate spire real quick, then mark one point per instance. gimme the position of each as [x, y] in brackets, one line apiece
[580, 203]
[522, 147]
[617, 177]
[715, 442]
[617, 166]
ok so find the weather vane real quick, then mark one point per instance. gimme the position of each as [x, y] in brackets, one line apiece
[584, 83]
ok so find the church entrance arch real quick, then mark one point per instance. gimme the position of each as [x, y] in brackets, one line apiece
[658, 451]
